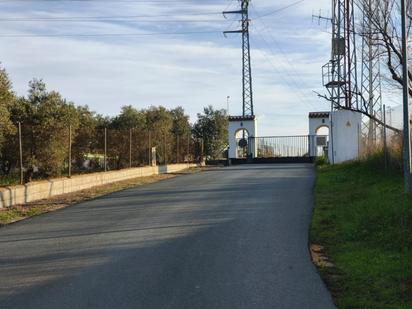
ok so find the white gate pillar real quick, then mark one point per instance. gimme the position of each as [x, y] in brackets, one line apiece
[239, 123]
[317, 120]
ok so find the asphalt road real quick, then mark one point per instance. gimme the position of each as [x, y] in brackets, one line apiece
[227, 238]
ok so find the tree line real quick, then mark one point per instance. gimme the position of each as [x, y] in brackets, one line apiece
[49, 123]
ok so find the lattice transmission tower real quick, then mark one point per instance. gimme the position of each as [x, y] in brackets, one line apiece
[247, 69]
[371, 78]
[340, 74]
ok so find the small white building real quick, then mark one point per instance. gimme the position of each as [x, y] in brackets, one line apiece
[344, 134]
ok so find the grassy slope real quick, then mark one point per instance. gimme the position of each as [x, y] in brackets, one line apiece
[364, 221]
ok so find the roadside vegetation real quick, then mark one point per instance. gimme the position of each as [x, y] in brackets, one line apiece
[362, 228]
[46, 118]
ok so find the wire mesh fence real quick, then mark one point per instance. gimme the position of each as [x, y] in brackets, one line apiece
[33, 153]
[282, 146]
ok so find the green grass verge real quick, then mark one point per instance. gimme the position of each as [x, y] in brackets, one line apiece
[363, 220]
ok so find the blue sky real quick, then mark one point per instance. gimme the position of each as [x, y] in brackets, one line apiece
[191, 70]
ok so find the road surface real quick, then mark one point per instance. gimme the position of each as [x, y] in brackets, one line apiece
[227, 238]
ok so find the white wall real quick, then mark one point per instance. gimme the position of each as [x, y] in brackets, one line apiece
[234, 126]
[39, 190]
[344, 143]
[314, 125]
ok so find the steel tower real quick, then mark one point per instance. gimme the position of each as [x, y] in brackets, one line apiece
[340, 74]
[246, 63]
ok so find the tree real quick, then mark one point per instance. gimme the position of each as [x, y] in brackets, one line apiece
[212, 126]
[181, 124]
[55, 116]
[46, 118]
[386, 24]
[85, 138]
[159, 123]
[130, 120]
[181, 130]
[7, 100]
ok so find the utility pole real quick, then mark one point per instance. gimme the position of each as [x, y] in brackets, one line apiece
[406, 115]
[246, 63]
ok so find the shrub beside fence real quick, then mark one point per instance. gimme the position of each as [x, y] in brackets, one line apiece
[33, 154]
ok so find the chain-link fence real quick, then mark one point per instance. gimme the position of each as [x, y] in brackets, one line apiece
[34, 153]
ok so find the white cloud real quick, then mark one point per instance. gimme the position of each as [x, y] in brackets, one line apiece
[191, 71]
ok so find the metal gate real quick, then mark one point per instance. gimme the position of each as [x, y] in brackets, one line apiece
[284, 146]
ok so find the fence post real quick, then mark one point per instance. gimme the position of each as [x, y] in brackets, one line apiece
[385, 144]
[130, 148]
[70, 152]
[188, 148]
[177, 148]
[165, 150]
[202, 150]
[105, 149]
[149, 144]
[21, 156]
[359, 141]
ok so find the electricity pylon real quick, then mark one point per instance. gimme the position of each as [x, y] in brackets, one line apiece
[247, 70]
[340, 74]
[371, 80]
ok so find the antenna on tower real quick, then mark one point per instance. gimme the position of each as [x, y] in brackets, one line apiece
[247, 69]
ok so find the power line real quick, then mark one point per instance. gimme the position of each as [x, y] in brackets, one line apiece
[84, 18]
[289, 78]
[105, 34]
[279, 48]
[120, 17]
[279, 9]
[298, 94]
[125, 21]
[103, 1]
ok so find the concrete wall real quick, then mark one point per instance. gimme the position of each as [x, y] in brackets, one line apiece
[39, 190]
[345, 136]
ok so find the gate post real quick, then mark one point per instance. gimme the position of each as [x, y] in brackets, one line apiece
[310, 146]
[250, 149]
